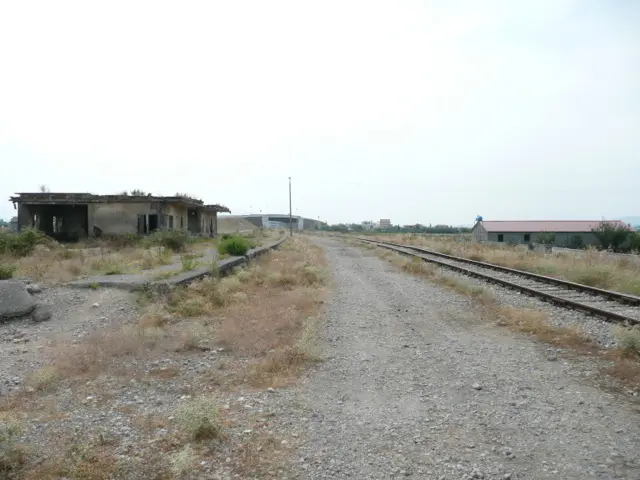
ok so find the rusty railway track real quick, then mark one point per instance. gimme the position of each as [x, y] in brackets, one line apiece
[606, 304]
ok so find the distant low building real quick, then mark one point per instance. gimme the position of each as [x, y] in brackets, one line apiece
[280, 220]
[563, 232]
[385, 223]
[368, 225]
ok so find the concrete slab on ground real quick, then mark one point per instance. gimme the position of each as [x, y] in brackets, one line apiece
[139, 281]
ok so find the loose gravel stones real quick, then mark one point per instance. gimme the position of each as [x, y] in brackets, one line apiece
[398, 395]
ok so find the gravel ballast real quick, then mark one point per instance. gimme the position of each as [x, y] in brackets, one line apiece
[412, 387]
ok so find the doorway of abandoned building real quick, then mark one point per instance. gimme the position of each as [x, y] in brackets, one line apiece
[153, 222]
[65, 223]
[193, 220]
[147, 223]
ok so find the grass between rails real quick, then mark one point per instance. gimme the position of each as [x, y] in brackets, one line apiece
[589, 267]
[624, 360]
[265, 317]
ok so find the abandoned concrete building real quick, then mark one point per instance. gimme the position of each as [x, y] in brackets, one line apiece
[70, 216]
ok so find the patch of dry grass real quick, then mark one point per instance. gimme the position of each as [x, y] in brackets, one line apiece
[628, 340]
[59, 264]
[44, 378]
[199, 419]
[266, 318]
[589, 267]
[183, 461]
[80, 459]
[623, 367]
[537, 324]
[265, 311]
[12, 454]
[101, 350]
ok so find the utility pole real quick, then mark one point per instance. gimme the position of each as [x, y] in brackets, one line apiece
[290, 224]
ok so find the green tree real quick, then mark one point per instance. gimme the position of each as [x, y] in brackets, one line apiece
[546, 238]
[634, 242]
[612, 236]
[576, 242]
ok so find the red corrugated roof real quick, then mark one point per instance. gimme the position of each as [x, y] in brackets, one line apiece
[529, 226]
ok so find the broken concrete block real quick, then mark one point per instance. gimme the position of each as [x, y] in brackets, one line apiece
[15, 301]
[34, 288]
[41, 313]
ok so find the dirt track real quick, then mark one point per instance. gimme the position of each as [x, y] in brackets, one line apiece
[415, 386]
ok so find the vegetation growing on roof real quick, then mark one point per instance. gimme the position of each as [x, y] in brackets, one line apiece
[186, 196]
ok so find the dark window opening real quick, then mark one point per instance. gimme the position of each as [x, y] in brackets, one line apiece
[171, 221]
[527, 237]
[153, 222]
[181, 223]
[142, 224]
[500, 237]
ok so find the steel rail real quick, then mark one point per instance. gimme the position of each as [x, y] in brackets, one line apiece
[563, 302]
[619, 297]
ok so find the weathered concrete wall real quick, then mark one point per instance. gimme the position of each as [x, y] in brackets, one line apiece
[562, 239]
[209, 224]
[118, 218]
[479, 233]
[179, 213]
[257, 221]
[25, 217]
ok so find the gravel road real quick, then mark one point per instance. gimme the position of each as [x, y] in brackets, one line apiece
[415, 387]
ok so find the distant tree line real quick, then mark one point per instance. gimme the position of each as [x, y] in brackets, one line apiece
[609, 236]
[356, 227]
[617, 238]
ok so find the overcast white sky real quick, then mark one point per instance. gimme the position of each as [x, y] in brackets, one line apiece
[418, 111]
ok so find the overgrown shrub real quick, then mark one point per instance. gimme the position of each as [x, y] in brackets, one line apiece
[234, 245]
[175, 240]
[199, 419]
[6, 271]
[576, 242]
[22, 243]
[546, 238]
[613, 236]
[628, 339]
[130, 239]
[634, 242]
[189, 262]
[12, 456]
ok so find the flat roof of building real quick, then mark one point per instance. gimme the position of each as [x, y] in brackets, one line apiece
[50, 198]
[257, 215]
